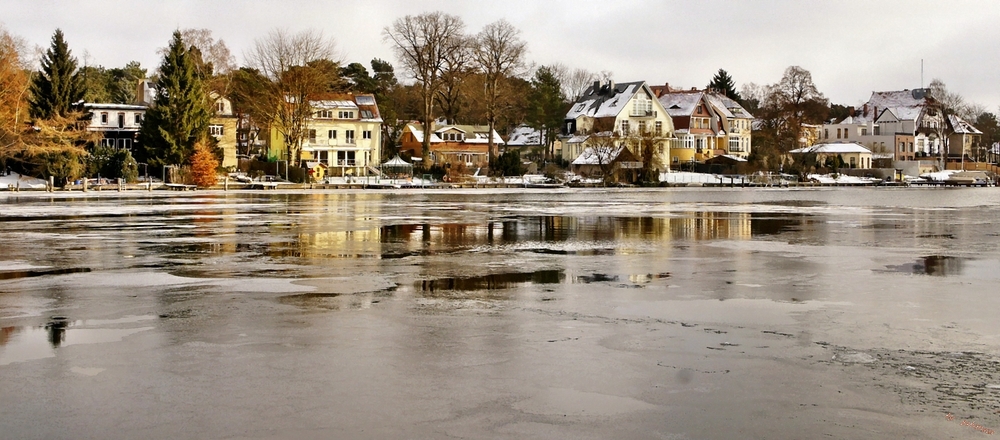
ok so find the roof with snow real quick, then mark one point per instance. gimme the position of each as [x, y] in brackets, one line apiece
[474, 134]
[364, 104]
[606, 100]
[834, 148]
[109, 106]
[961, 126]
[681, 103]
[603, 155]
[524, 135]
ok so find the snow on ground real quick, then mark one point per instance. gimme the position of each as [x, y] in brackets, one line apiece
[15, 180]
[686, 177]
[840, 178]
[939, 176]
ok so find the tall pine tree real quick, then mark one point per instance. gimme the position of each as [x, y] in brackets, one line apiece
[180, 113]
[59, 85]
[546, 105]
[724, 84]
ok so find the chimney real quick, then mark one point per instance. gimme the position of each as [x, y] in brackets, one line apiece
[694, 89]
[611, 86]
[597, 86]
[864, 112]
[850, 111]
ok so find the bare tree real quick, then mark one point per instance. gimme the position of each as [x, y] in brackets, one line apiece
[457, 70]
[499, 53]
[423, 44]
[216, 59]
[289, 63]
[574, 82]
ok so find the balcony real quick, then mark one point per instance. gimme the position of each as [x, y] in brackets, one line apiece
[642, 114]
[345, 163]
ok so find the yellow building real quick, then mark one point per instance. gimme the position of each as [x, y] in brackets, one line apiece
[344, 134]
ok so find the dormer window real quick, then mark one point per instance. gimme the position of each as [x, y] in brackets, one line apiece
[324, 114]
[345, 115]
[220, 107]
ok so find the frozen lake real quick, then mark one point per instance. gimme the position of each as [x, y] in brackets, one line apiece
[511, 314]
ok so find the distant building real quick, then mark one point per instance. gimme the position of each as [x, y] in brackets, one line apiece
[904, 125]
[118, 124]
[464, 145]
[853, 154]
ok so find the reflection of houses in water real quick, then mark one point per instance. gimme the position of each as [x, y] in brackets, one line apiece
[409, 239]
[341, 244]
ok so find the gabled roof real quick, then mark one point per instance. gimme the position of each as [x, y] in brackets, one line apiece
[906, 105]
[678, 104]
[606, 100]
[590, 156]
[961, 126]
[474, 134]
[524, 135]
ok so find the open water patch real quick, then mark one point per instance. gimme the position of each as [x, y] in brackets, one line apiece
[498, 281]
[28, 343]
[946, 266]
[31, 273]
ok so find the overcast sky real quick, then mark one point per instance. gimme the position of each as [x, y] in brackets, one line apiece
[852, 47]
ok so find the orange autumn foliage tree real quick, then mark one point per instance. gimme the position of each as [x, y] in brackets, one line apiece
[203, 166]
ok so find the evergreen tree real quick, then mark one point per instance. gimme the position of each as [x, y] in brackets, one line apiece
[59, 84]
[546, 104]
[724, 84]
[180, 113]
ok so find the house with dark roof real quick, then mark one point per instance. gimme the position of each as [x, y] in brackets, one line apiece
[627, 111]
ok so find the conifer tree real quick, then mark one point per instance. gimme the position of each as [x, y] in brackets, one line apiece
[546, 105]
[203, 166]
[180, 113]
[724, 84]
[59, 84]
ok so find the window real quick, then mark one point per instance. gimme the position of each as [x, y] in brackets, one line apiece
[367, 134]
[367, 114]
[878, 131]
[838, 133]
[642, 127]
[826, 133]
[902, 146]
[332, 134]
[345, 115]
[215, 130]
[734, 144]
[138, 118]
[625, 128]
[911, 147]
[854, 162]
[846, 131]
[349, 136]
[121, 120]
[220, 107]
[312, 136]
[658, 128]
[324, 114]
[864, 131]
[104, 118]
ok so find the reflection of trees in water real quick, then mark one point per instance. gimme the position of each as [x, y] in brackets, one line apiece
[939, 265]
[6, 333]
